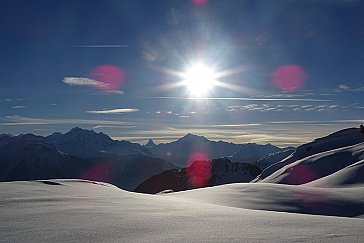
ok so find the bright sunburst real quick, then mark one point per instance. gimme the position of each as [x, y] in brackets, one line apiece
[199, 80]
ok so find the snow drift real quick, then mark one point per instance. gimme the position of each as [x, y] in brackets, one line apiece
[86, 211]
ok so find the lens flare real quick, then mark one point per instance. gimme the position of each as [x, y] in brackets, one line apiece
[289, 77]
[111, 76]
[301, 174]
[99, 172]
[199, 80]
[198, 170]
[199, 2]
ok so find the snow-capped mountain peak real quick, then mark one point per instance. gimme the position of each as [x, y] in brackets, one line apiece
[150, 143]
[192, 138]
[77, 132]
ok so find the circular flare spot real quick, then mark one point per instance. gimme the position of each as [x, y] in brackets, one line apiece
[301, 174]
[289, 77]
[99, 172]
[199, 2]
[198, 169]
[111, 77]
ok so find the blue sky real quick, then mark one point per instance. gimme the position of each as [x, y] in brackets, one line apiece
[54, 55]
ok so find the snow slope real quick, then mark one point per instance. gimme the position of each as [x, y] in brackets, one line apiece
[317, 166]
[85, 211]
[352, 174]
[340, 139]
[273, 158]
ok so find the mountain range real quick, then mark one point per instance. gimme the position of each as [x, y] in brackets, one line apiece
[178, 152]
[290, 199]
[86, 154]
[189, 162]
[317, 159]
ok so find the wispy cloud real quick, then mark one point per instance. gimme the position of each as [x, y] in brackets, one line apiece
[345, 87]
[18, 107]
[81, 81]
[113, 111]
[120, 92]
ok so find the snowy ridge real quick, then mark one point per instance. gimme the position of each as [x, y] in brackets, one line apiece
[317, 166]
[273, 158]
[343, 138]
[352, 174]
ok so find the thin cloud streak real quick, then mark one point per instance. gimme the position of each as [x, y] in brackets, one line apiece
[100, 46]
[240, 98]
[318, 122]
[113, 111]
[21, 120]
[274, 107]
[111, 126]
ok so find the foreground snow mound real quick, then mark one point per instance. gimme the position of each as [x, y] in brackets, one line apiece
[317, 166]
[343, 138]
[348, 202]
[86, 211]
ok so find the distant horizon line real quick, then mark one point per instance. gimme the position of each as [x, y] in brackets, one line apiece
[170, 140]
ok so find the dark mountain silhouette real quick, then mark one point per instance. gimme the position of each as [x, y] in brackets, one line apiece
[89, 144]
[77, 154]
[200, 174]
[178, 152]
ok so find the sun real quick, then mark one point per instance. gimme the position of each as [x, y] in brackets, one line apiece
[199, 80]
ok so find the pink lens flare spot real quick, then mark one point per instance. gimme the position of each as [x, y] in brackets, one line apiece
[199, 2]
[198, 169]
[289, 77]
[301, 174]
[99, 172]
[109, 76]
